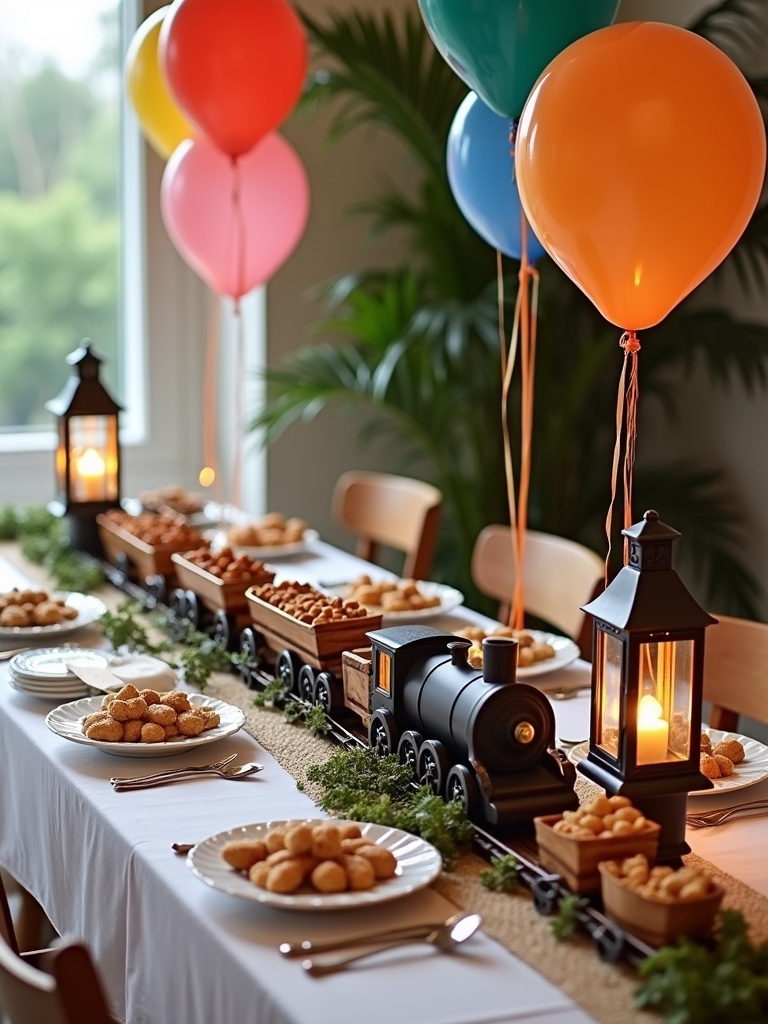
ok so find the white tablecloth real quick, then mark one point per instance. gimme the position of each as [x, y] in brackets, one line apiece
[171, 950]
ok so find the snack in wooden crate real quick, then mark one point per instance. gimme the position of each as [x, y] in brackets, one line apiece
[144, 716]
[329, 857]
[157, 528]
[34, 608]
[662, 882]
[226, 565]
[272, 530]
[308, 605]
[602, 817]
[391, 595]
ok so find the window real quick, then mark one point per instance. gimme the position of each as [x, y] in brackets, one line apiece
[384, 671]
[60, 95]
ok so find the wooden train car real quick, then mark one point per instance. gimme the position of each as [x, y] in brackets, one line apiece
[305, 646]
[147, 562]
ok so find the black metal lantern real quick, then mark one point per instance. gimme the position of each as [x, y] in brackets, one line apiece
[88, 449]
[647, 680]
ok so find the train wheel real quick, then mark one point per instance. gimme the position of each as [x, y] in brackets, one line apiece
[193, 609]
[123, 565]
[305, 686]
[179, 604]
[250, 644]
[156, 587]
[461, 787]
[222, 633]
[324, 691]
[408, 751]
[382, 733]
[287, 669]
[432, 766]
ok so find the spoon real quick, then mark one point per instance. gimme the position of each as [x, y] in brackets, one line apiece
[445, 938]
[377, 938]
[241, 772]
[566, 692]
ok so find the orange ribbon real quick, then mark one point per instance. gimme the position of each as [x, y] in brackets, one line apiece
[627, 398]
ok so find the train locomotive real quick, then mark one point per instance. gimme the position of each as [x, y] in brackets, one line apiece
[472, 735]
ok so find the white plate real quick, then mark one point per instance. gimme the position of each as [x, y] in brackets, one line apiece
[566, 651]
[418, 864]
[66, 721]
[300, 547]
[89, 609]
[754, 767]
[51, 664]
[59, 696]
[449, 599]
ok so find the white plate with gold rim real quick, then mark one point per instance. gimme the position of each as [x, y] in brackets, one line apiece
[753, 769]
[418, 865]
[67, 721]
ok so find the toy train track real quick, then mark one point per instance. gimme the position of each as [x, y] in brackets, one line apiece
[347, 729]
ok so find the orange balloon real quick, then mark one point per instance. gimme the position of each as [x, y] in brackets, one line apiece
[640, 158]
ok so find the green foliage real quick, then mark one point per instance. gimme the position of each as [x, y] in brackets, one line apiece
[565, 924]
[360, 785]
[274, 695]
[43, 541]
[503, 875]
[127, 628]
[694, 984]
[417, 346]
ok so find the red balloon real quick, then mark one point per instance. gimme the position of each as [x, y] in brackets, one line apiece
[236, 67]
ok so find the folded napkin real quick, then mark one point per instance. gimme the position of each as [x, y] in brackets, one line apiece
[144, 671]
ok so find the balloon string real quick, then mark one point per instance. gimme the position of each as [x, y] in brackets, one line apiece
[508, 362]
[502, 327]
[240, 254]
[631, 347]
[210, 404]
[529, 293]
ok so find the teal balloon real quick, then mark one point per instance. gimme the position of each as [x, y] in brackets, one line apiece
[500, 47]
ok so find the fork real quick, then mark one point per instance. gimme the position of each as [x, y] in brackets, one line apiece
[170, 772]
[708, 819]
[242, 771]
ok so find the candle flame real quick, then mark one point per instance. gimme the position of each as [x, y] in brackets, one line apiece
[207, 476]
[649, 710]
[90, 463]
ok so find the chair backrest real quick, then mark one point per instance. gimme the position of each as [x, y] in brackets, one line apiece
[68, 991]
[7, 931]
[559, 575]
[393, 510]
[735, 677]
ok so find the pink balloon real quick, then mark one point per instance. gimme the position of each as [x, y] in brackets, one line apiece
[235, 246]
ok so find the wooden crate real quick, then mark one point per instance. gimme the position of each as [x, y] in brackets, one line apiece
[214, 592]
[320, 646]
[356, 675]
[148, 559]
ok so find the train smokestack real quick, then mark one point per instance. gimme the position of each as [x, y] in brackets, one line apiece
[499, 660]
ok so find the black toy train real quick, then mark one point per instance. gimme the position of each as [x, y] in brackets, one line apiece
[475, 735]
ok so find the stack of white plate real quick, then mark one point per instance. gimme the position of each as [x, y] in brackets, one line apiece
[45, 672]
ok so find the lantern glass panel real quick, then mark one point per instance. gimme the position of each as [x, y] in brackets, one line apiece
[610, 654]
[93, 458]
[665, 694]
[61, 460]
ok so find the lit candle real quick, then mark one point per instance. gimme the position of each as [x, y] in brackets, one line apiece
[91, 470]
[652, 732]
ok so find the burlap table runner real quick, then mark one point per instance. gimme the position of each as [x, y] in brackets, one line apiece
[604, 991]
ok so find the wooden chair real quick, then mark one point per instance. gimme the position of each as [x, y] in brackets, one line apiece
[55, 986]
[392, 510]
[735, 676]
[559, 576]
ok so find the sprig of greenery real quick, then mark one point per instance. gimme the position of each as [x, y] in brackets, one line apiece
[564, 925]
[503, 875]
[124, 628]
[273, 695]
[43, 541]
[690, 983]
[200, 657]
[360, 785]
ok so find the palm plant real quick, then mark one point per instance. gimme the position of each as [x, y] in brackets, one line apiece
[420, 345]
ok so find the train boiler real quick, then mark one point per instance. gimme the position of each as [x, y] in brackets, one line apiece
[475, 735]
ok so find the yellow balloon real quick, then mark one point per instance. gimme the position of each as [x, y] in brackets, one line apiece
[162, 122]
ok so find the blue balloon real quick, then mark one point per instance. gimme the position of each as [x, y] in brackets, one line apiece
[481, 175]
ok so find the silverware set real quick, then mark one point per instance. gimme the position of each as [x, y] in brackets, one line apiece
[445, 936]
[223, 769]
[722, 815]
